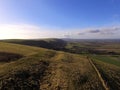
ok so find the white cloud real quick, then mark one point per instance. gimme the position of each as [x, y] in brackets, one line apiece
[110, 32]
[27, 31]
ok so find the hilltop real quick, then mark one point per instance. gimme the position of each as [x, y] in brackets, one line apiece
[45, 69]
[29, 67]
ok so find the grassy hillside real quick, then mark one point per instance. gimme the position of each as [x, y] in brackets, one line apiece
[43, 69]
[56, 44]
[34, 68]
[19, 49]
[109, 68]
[110, 73]
[105, 56]
[99, 47]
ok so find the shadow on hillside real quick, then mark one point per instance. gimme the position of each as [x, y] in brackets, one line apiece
[8, 57]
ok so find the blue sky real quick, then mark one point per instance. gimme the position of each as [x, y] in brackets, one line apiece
[59, 18]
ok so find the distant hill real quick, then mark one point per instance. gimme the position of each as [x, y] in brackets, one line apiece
[79, 46]
[56, 44]
[92, 40]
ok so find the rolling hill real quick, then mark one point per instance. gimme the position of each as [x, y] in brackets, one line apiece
[56, 44]
[25, 67]
[43, 69]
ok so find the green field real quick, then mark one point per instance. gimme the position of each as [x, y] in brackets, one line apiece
[114, 59]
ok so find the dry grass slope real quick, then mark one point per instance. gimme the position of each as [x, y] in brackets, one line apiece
[43, 69]
[110, 73]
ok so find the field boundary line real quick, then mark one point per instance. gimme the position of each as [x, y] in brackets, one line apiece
[98, 73]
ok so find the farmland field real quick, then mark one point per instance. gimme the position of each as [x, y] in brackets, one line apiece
[111, 59]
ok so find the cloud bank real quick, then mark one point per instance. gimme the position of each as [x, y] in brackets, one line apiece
[111, 32]
[27, 31]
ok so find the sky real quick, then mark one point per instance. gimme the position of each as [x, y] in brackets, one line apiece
[77, 19]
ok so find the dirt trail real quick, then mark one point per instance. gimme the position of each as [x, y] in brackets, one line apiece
[69, 72]
[54, 77]
[98, 73]
[58, 56]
